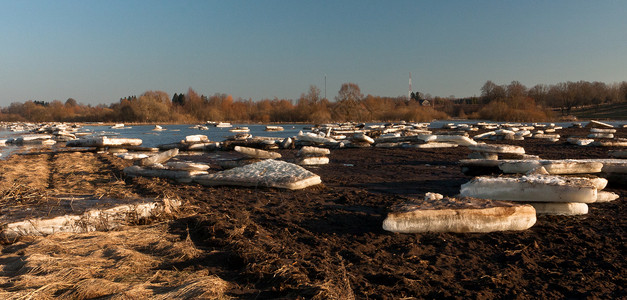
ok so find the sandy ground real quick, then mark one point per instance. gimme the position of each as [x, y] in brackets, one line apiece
[322, 242]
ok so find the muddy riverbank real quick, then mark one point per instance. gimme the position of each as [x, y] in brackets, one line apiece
[322, 242]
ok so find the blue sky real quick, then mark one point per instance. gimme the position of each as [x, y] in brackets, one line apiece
[99, 51]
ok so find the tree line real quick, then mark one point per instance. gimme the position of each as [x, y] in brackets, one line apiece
[564, 96]
[158, 106]
[512, 102]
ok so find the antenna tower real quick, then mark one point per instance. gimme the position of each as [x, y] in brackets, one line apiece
[409, 93]
[325, 86]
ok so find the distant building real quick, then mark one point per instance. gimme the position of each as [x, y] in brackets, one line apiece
[418, 98]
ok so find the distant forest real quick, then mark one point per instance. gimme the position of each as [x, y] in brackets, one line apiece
[511, 102]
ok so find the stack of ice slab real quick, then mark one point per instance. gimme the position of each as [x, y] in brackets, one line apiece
[399, 140]
[615, 170]
[33, 139]
[266, 173]
[104, 142]
[508, 133]
[254, 153]
[439, 214]
[598, 130]
[459, 140]
[427, 141]
[492, 151]
[620, 142]
[197, 142]
[487, 126]
[534, 166]
[597, 124]
[542, 135]
[242, 136]
[579, 141]
[312, 139]
[308, 156]
[547, 132]
[416, 128]
[153, 166]
[132, 156]
[250, 156]
[554, 167]
[59, 132]
[460, 126]
[519, 132]
[360, 140]
[601, 133]
[63, 136]
[549, 194]
[258, 142]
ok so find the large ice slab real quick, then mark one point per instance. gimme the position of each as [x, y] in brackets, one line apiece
[456, 139]
[431, 145]
[532, 188]
[560, 208]
[257, 153]
[81, 215]
[579, 141]
[459, 215]
[158, 158]
[555, 167]
[497, 148]
[603, 196]
[597, 124]
[104, 141]
[164, 172]
[312, 161]
[309, 137]
[267, 173]
[313, 151]
[610, 143]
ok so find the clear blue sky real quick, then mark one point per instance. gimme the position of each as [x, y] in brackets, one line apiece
[100, 51]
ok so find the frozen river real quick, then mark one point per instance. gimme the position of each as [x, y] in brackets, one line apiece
[175, 133]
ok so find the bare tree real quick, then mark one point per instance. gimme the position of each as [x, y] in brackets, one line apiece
[491, 91]
[516, 89]
[313, 95]
[348, 106]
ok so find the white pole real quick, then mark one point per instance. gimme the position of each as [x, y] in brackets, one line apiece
[409, 93]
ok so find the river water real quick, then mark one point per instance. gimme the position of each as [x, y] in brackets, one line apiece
[175, 133]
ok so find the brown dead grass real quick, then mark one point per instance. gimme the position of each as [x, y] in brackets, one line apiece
[66, 173]
[86, 173]
[32, 182]
[118, 265]
[32, 173]
[337, 287]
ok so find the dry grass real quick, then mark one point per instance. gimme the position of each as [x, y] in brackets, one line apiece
[21, 194]
[338, 287]
[120, 265]
[85, 173]
[32, 173]
[44, 185]
[37, 178]
[208, 287]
